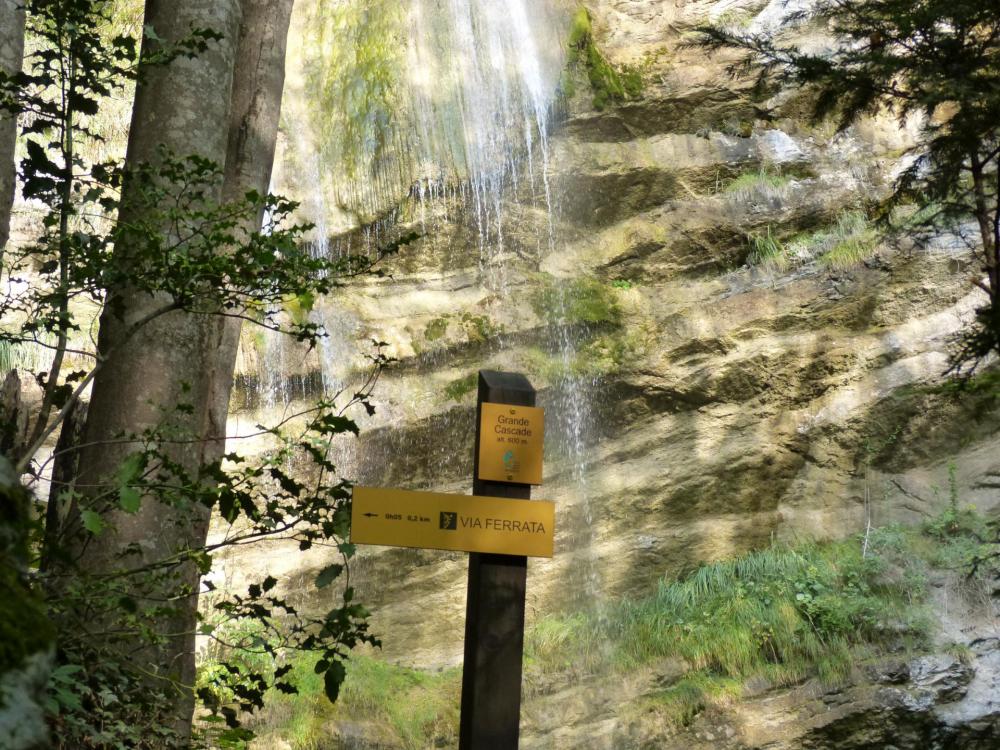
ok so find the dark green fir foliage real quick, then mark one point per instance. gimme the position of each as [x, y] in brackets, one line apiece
[189, 253]
[934, 62]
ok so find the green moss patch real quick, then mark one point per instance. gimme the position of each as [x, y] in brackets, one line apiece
[583, 300]
[610, 85]
[458, 389]
[436, 329]
[479, 328]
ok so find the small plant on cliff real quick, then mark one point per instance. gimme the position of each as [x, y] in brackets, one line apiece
[936, 62]
[609, 85]
[767, 250]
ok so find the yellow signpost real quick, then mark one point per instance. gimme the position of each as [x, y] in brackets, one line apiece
[466, 523]
[510, 443]
[500, 532]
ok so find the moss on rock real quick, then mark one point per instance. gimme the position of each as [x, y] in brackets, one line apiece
[610, 85]
[584, 300]
[436, 329]
[458, 389]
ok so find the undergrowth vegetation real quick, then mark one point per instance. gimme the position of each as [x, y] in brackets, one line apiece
[401, 706]
[848, 241]
[782, 614]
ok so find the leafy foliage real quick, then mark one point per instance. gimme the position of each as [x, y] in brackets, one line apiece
[935, 61]
[178, 246]
[417, 709]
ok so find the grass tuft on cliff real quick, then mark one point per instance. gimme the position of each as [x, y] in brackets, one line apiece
[781, 614]
[847, 242]
[758, 185]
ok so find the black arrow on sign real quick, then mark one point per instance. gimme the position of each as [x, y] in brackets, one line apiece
[369, 515]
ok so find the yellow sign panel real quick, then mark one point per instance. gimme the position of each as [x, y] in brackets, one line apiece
[466, 523]
[510, 443]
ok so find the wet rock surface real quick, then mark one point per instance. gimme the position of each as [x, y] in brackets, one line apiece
[728, 403]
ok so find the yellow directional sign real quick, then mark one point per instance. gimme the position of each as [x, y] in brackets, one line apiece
[510, 443]
[466, 523]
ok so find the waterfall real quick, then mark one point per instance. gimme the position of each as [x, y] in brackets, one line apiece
[418, 115]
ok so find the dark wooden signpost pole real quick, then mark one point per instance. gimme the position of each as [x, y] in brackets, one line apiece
[494, 618]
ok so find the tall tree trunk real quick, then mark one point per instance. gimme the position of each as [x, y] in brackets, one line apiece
[185, 107]
[11, 57]
[255, 112]
[192, 106]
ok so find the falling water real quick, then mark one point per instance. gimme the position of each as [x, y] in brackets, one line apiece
[421, 114]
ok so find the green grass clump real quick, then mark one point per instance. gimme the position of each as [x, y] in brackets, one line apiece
[414, 708]
[609, 85]
[782, 614]
[687, 697]
[849, 241]
[852, 240]
[767, 251]
[759, 183]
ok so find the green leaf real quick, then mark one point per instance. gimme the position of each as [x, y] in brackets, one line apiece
[328, 575]
[92, 522]
[129, 499]
[333, 679]
[131, 467]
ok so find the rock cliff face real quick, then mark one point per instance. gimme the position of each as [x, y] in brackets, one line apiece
[719, 391]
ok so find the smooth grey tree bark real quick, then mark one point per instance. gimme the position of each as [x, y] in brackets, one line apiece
[183, 106]
[11, 58]
[192, 106]
[255, 112]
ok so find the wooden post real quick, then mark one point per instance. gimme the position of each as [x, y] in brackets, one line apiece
[494, 616]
